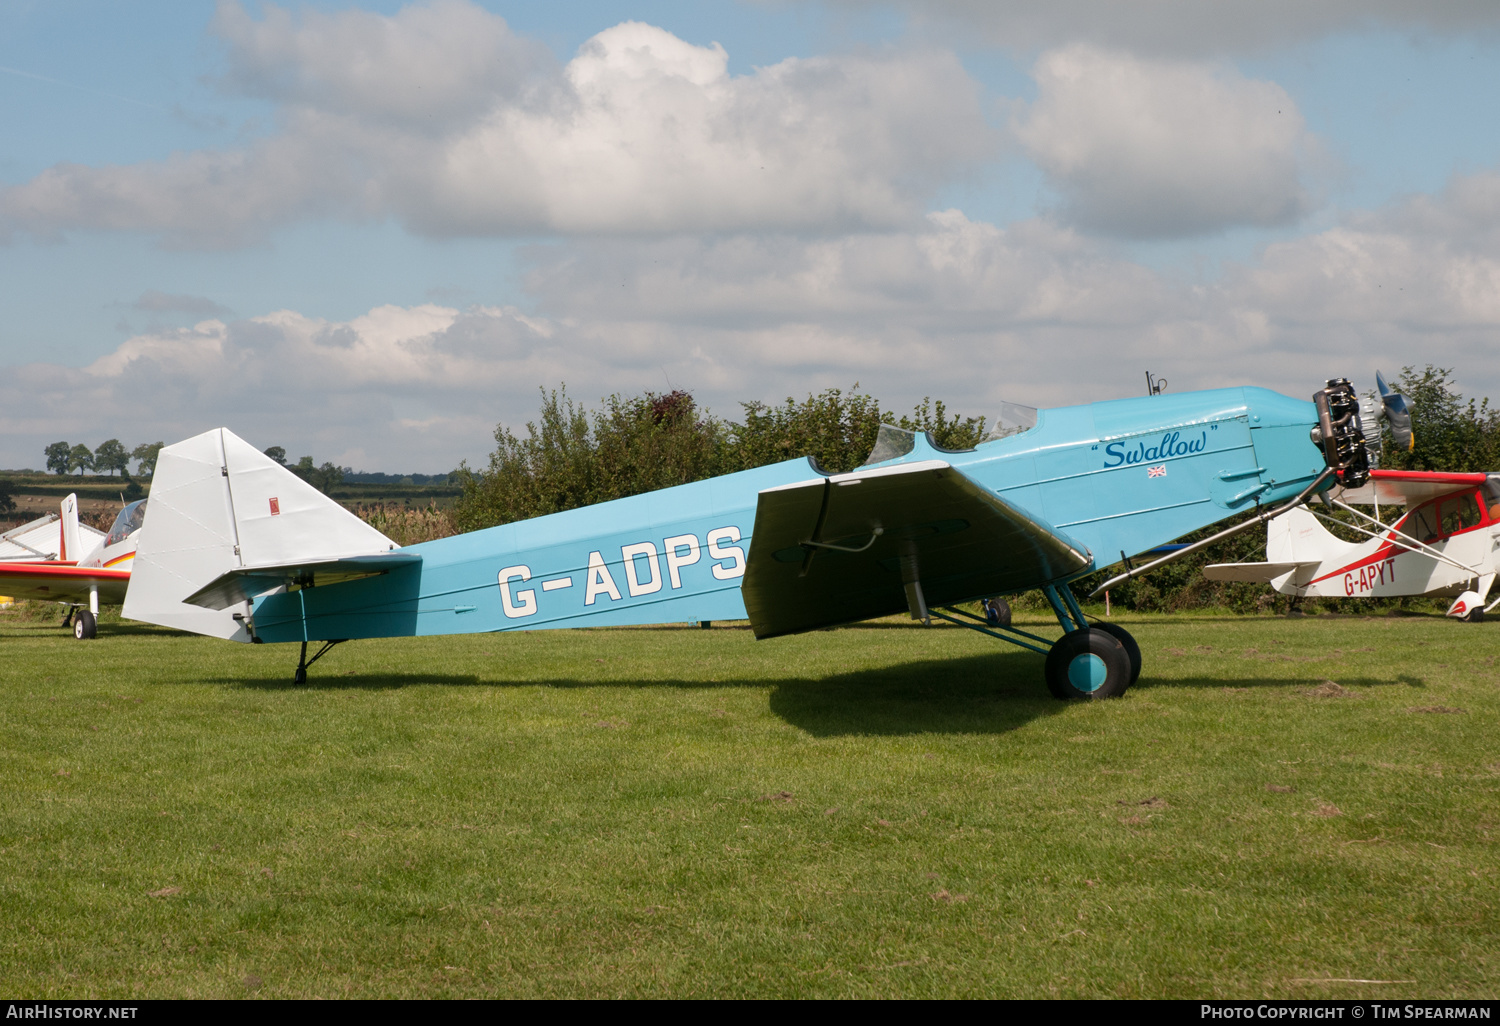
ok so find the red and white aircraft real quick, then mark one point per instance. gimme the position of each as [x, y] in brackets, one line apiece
[1446, 544]
[57, 559]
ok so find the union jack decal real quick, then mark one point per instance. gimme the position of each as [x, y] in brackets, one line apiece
[1160, 471]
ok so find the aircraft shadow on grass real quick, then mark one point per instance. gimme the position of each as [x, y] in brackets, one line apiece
[992, 693]
[983, 694]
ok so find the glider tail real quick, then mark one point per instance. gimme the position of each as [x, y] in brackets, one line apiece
[72, 540]
[228, 521]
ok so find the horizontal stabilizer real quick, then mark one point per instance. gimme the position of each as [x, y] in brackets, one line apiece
[1251, 573]
[849, 547]
[248, 582]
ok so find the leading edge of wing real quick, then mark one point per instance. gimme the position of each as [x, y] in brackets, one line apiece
[829, 551]
[248, 582]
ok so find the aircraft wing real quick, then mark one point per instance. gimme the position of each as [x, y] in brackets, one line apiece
[244, 583]
[1253, 573]
[61, 582]
[1411, 487]
[830, 551]
[41, 540]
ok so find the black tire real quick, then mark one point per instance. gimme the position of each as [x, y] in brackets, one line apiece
[84, 625]
[1475, 615]
[1088, 664]
[997, 612]
[1131, 648]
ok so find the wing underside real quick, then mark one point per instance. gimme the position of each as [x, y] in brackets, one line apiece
[1409, 487]
[54, 582]
[847, 548]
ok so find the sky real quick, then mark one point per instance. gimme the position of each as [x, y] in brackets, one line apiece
[372, 232]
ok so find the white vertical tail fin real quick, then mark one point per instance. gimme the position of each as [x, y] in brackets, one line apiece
[219, 505]
[71, 547]
[1297, 537]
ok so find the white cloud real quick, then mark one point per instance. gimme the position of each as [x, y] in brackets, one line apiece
[432, 65]
[1152, 148]
[1188, 27]
[960, 310]
[444, 119]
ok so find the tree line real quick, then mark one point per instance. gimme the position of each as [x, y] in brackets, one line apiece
[571, 456]
[111, 457]
[322, 477]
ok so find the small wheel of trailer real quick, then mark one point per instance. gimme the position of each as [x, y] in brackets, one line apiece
[1088, 664]
[84, 625]
[1131, 648]
[996, 612]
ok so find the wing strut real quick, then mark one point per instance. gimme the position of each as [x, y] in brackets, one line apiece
[1228, 532]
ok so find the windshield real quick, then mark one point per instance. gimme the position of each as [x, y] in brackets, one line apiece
[891, 443]
[127, 523]
[1012, 419]
[1422, 524]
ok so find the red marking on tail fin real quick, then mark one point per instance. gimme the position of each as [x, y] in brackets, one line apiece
[275, 506]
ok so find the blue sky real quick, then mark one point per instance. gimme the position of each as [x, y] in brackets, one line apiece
[246, 214]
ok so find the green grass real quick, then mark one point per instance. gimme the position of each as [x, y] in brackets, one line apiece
[876, 811]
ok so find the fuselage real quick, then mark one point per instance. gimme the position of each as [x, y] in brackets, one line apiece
[1115, 478]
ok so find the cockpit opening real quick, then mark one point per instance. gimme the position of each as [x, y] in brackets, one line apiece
[127, 523]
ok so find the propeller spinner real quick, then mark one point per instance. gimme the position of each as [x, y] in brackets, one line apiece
[1397, 410]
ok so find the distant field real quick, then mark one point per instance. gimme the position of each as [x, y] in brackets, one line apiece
[876, 811]
[100, 496]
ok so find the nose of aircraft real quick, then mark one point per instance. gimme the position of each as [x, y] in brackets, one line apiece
[1280, 433]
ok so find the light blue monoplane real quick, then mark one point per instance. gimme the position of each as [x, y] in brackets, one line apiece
[237, 547]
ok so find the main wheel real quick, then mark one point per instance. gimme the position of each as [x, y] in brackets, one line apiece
[84, 625]
[997, 612]
[1088, 664]
[1131, 648]
[1476, 615]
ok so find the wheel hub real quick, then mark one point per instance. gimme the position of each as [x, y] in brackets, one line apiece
[1087, 672]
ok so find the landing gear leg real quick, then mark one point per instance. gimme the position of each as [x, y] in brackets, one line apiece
[300, 677]
[68, 620]
[1098, 661]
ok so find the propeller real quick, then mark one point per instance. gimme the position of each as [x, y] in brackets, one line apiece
[1397, 410]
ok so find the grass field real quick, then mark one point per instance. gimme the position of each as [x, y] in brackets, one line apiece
[876, 811]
